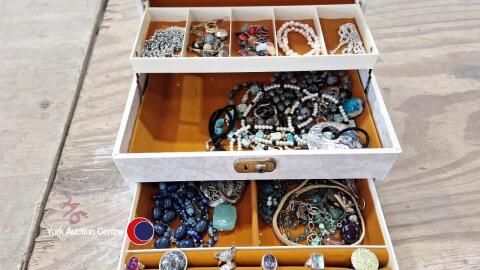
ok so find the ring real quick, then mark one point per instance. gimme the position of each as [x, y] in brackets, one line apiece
[315, 262]
[225, 259]
[269, 262]
[211, 27]
[134, 264]
[173, 260]
[364, 259]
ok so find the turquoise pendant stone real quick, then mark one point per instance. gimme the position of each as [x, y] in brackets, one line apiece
[219, 122]
[353, 107]
[290, 137]
[254, 89]
[335, 213]
[224, 217]
[316, 241]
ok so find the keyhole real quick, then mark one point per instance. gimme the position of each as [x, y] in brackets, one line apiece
[260, 167]
[245, 167]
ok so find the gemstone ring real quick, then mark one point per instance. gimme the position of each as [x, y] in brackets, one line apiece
[364, 259]
[315, 262]
[134, 264]
[225, 258]
[269, 262]
[173, 260]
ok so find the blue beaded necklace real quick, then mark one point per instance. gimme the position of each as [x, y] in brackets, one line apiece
[185, 201]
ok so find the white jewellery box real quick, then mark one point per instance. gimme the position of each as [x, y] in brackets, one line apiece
[165, 126]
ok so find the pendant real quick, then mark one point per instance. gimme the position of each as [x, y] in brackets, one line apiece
[351, 232]
[320, 137]
[336, 213]
[332, 240]
[353, 107]
[224, 217]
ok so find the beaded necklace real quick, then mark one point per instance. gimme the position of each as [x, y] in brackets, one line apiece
[185, 201]
[305, 30]
[279, 115]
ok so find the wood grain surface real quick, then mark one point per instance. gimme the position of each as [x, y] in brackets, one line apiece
[430, 76]
[429, 71]
[43, 46]
[86, 173]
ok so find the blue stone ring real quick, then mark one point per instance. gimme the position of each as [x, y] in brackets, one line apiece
[173, 260]
[269, 262]
[315, 262]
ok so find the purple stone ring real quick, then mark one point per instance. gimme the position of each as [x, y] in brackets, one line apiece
[134, 264]
[269, 262]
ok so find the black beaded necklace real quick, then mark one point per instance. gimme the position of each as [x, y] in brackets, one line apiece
[278, 115]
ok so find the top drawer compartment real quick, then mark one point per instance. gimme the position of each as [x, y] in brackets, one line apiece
[163, 132]
[325, 20]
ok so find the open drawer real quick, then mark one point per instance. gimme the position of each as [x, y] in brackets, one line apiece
[165, 126]
[325, 20]
[253, 237]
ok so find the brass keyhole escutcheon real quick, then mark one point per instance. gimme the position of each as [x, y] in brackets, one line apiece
[254, 165]
[260, 167]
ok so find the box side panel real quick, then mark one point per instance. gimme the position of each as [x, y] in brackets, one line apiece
[128, 120]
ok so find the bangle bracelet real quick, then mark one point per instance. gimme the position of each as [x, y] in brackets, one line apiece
[302, 189]
[302, 28]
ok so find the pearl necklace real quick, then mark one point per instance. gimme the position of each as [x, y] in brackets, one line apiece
[312, 39]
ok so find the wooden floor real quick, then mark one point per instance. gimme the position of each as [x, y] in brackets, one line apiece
[430, 74]
[43, 48]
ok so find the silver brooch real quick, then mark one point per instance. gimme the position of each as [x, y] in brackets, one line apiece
[219, 192]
